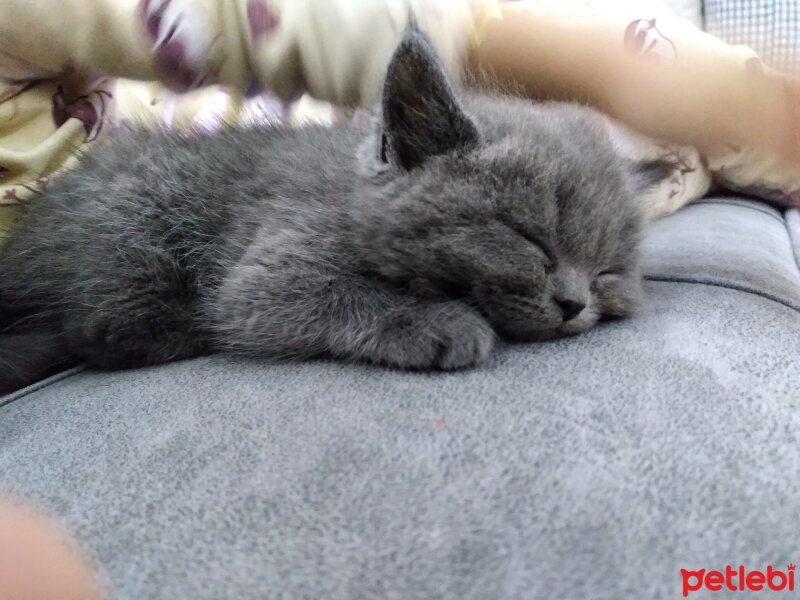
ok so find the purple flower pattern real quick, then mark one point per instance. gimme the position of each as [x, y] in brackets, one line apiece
[643, 38]
[91, 110]
[680, 168]
[262, 17]
[182, 38]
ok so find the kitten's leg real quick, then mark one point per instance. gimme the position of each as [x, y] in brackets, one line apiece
[143, 313]
[293, 312]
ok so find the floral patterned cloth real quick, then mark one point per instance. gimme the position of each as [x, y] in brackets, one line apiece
[67, 77]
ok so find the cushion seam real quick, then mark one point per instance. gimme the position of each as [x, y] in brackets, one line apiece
[725, 285]
[741, 204]
[793, 236]
[40, 385]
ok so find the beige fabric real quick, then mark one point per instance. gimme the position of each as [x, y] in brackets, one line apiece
[718, 110]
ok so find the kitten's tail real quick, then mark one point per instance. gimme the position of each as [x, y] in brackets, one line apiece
[28, 352]
[26, 358]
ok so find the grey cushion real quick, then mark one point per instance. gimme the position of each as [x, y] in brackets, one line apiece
[714, 243]
[595, 467]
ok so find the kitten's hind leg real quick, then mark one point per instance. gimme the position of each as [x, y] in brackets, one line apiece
[302, 312]
[136, 317]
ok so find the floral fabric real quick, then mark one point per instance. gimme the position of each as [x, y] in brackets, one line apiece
[67, 76]
[71, 76]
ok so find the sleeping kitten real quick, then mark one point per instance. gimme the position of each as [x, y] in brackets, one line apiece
[411, 243]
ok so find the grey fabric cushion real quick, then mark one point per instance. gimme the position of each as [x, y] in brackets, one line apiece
[595, 467]
[731, 243]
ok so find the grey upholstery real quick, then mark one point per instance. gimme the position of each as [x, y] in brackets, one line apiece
[595, 467]
[752, 249]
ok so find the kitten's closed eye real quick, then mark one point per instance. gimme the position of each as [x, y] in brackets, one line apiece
[548, 257]
[609, 275]
[618, 292]
[607, 280]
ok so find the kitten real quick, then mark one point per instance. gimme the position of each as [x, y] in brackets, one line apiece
[411, 243]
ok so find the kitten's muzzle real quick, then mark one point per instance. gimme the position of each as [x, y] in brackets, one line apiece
[572, 292]
[570, 308]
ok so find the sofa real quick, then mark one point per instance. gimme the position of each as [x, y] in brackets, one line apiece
[612, 465]
[592, 467]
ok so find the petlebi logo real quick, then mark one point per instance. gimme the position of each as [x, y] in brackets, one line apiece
[738, 579]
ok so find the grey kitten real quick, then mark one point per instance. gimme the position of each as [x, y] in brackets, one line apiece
[411, 243]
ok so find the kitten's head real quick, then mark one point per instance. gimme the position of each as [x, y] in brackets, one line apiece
[524, 211]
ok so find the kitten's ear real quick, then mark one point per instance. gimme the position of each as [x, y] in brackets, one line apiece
[421, 116]
[648, 174]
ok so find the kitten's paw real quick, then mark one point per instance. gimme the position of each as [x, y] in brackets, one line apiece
[461, 340]
[450, 336]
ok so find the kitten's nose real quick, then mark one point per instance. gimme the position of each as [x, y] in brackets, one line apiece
[571, 291]
[570, 308]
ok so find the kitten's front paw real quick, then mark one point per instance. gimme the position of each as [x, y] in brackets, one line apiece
[447, 336]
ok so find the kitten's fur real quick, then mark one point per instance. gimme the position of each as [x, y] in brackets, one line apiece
[407, 244]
